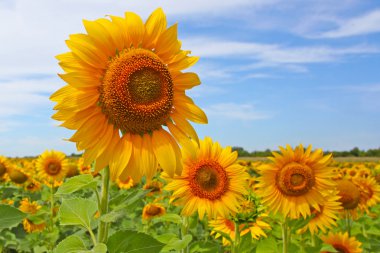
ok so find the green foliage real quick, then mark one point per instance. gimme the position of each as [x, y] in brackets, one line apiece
[74, 244]
[132, 241]
[77, 212]
[77, 183]
[267, 245]
[10, 216]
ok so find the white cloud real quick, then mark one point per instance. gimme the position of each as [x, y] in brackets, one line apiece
[24, 96]
[273, 53]
[234, 111]
[365, 24]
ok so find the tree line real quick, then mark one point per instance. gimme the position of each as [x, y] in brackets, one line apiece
[355, 152]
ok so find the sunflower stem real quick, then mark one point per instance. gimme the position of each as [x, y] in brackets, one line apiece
[285, 236]
[184, 231]
[236, 242]
[52, 207]
[103, 226]
[348, 222]
[312, 240]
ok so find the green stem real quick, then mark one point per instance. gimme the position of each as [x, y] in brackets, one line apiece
[103, 226]
[313, 240]
[92, 236]
[236, 242]
[285, 236]
[348, 222]
[184, 231]
[52, 207]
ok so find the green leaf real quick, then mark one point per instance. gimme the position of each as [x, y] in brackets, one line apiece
[132, 241]
[74, 244]
[267, 245]
[328, 248]
[170, 217]
[299, 223]
[77, 183]
[166, 238]
[10, 216]
[77, 212]
[71, 244]
[127, 198]
[179, 244]
[100, 248]
[204, 247]
[373, 231]
[111, 216]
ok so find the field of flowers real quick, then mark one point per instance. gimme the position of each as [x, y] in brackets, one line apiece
[41, 214]
[146, 183]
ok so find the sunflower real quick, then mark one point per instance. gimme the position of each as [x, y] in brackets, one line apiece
[125, 184]
[293, 182]
[126, 95]
[154, 186]
[83, 169]
[52, 166]
[31, 208]
[369, 192]
[211, 182]
[342, 243]
[32, 185]
[17, 175]
[223, 226]
[326, 217]
[31, 227]
[152, 210]
[4, 165]
[349, 194]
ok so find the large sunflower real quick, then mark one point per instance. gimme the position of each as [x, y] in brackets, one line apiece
[126, 95]
[211, 182]
[293, 182]
[52, 166]
[342, 243]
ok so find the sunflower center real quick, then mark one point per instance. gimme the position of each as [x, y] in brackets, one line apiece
[137, 91]
[153, 210]
[53, 168]
[295, 179]
[341, 248]
[209, 180]
[349, 194]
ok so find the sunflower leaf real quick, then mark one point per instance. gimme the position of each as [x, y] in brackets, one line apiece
[77, 183]
[77, 212]
[267, 245]
[71, 244]
[132, 241]
[10, 216]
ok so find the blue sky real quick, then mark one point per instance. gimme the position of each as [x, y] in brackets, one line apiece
[273, 72]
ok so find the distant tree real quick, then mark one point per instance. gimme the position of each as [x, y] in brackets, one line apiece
[241, 151]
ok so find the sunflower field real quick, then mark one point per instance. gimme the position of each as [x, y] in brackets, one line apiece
[146, 183]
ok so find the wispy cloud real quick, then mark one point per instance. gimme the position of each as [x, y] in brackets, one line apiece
[273, 53]
[24, 96]
[235, 111]
[364, 24]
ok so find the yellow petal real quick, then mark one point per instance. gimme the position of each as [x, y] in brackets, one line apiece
[154, 26]
[164, 151]
[168, 44]
[186, 80]
[135, 28]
